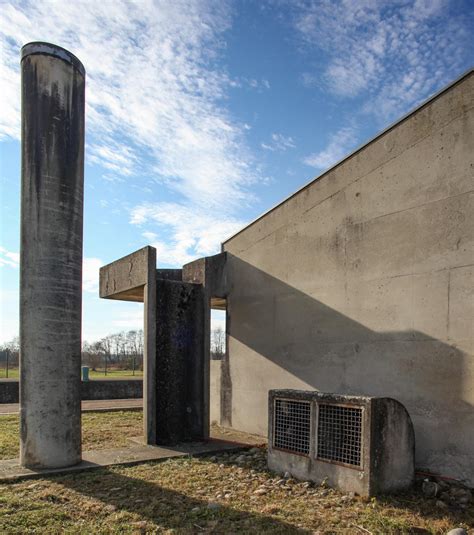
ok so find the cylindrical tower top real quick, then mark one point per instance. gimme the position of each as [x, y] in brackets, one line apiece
[48, 49]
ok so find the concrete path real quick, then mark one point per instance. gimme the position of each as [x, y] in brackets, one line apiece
[88, 405]
[11, 470]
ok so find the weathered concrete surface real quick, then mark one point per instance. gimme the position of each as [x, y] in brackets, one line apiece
[133, 278]
[53, 82]
[176, 328]
[112, 389]
[387, 446]
[94, 389]
[209, 272]
[362, 283]
[181, 412]
[125, 279]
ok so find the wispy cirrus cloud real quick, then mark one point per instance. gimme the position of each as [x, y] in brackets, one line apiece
[339, 145]
[279, 142]
[151, 81]
[9, 258]
[190, 232]
[90, 274]
[397, 50]
[155, 94]
[117, 159]
[385, 56]
[261, 84]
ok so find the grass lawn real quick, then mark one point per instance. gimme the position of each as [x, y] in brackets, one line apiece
[13, 373]
[99, 374]
[100, 430]
[220, 494]
[223, 494]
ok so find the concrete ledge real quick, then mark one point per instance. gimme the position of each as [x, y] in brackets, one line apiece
[95, 389]
[112, 389]
[11, 470]
[125, 279]
[9, 391]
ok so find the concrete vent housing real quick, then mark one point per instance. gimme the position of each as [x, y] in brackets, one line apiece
[361, 444]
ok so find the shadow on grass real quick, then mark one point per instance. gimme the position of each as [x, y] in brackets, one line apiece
[411, 500]
[416, 503]
[170, 509]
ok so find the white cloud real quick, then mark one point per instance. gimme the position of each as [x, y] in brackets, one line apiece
[102, 317]
[394, 53]
[155, 98]
[218, 320]
[128, 319]
[9, 258]
[113, 157]
[184, 232]
[9, 314]
[153, 89]
[279, 142]
[253, 83]
[339, 145]
[90, 274]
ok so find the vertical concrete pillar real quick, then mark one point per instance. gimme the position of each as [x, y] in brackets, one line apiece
[53, 82]
[181, 413]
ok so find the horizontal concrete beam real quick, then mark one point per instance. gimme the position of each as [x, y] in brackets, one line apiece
[125, 278]
[209, 271]
[218, 303]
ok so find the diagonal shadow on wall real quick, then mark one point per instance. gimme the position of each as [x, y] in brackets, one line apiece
[319, 348]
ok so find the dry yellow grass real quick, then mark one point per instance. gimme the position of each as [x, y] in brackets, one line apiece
[210, 495]
[100, 430]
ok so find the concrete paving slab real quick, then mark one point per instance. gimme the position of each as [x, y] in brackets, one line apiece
[11, 470]
[88, 405]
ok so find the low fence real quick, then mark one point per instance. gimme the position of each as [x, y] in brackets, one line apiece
[95, 389]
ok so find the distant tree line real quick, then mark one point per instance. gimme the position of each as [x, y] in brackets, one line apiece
[121, 351]
[10, 354]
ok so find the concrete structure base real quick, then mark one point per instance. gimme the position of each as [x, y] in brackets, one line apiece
[10, 470]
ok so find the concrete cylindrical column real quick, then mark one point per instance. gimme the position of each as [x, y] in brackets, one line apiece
[52, 192]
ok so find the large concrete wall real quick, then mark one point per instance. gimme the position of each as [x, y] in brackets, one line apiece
[362, 283]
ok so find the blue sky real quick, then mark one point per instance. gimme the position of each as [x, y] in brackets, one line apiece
[202, 115]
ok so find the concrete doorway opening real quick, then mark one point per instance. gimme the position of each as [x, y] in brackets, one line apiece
[219, 372]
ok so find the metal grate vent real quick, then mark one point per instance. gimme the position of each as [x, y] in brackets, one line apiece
[339, 434]
[292, 427]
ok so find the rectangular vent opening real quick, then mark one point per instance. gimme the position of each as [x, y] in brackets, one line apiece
[292, 426]
[339, 436]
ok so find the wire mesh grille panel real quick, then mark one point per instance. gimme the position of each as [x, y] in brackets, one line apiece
[292, 425]
[339, 434]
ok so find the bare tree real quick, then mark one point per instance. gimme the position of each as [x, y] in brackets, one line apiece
[122, 350]
[217, 343]
[10, 354]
